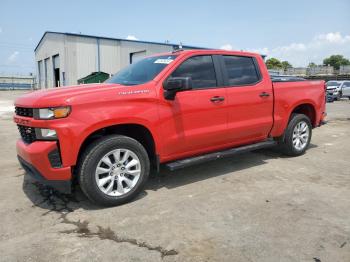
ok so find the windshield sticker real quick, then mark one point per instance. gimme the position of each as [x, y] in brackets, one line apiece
[163, 61]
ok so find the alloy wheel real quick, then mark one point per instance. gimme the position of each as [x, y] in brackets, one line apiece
[118, 172]
[301, 135]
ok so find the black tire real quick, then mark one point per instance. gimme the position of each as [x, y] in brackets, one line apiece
[286, 144]
[92, 156]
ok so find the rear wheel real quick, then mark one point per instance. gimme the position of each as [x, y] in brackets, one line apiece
[297, 136]
[113, 170]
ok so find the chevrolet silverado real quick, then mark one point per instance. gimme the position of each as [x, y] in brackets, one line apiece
[176, 109]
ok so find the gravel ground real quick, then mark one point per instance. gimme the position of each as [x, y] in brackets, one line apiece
[259, 206]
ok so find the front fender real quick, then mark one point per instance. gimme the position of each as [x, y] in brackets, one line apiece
[87, 119]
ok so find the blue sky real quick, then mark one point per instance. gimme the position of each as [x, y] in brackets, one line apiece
[297, 31]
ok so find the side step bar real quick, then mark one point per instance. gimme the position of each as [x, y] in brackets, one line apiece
[220, 154]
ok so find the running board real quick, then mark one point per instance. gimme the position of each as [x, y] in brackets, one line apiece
[220, 154]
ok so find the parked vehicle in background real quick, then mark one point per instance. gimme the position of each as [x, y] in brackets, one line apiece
[346, 89]
[334, 89]
[177, 109]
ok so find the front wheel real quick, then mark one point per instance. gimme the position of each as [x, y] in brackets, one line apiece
[339, 96]
[297, 136]
[113, 170]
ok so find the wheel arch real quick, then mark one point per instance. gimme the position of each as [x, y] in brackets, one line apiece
[137, 131]
[306, 108]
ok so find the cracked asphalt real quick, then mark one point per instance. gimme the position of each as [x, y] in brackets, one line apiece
[259, 206]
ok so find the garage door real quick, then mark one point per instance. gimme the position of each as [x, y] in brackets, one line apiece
[134, 57]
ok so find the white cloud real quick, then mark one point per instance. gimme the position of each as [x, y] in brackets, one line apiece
[131, 37]
[13, 56]
[226, 47]
[292, 47]
[263, 50]
[0, 30]
[315, 50]
[336, 38]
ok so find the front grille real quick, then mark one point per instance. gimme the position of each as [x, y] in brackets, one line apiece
[27, 133]
[23, 111]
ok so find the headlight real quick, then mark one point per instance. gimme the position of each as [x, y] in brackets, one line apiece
[45, 134]
[52, 112]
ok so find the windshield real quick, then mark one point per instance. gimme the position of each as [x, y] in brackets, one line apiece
[142, 71]
[333, 83]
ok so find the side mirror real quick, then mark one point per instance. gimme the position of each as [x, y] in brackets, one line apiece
[176, 84]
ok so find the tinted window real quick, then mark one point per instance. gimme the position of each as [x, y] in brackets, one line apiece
[240, 70]
[142, 71]
[333, 83]
[200, 69]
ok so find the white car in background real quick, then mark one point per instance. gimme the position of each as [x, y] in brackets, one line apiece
[345, 89]
[334, 89]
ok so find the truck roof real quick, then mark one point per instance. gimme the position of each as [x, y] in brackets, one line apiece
[209, 51]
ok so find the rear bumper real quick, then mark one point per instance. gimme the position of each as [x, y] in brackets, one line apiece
[323, 119]
[64, 186]
[34, 158]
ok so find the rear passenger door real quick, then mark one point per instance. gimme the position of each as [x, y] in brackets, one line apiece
[249, 99]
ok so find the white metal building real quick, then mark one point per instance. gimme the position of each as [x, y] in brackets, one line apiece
[63, 58]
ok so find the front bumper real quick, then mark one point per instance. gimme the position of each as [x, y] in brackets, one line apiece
[64, 186]
[333, 93]
[35, 161]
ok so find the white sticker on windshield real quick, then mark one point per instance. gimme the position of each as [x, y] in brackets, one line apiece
[163, 61]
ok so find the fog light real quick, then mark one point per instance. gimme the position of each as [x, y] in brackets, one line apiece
[45, 134]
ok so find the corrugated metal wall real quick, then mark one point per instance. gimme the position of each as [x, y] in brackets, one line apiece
[51, 46]
[78, 56]
[109, 56]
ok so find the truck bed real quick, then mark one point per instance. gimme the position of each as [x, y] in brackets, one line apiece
[289, 94]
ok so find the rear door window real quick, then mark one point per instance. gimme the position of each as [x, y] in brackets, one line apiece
[241, 70]
[200, 69]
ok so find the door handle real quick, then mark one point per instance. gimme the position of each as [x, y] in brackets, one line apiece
[264, 94]
[217, 99]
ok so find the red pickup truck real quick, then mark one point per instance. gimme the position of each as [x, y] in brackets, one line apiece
[176, 109]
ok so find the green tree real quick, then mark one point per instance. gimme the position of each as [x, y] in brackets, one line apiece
[286, 64]
[336, 61]
[273, 63]
[311, 64]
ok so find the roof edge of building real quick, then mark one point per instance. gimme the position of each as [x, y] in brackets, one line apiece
[112, 38]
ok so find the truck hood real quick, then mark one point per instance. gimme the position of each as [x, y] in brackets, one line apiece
[68, 95]
[333, 87]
